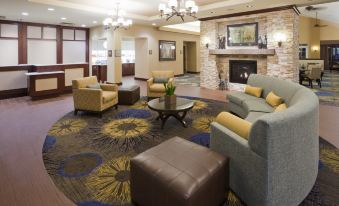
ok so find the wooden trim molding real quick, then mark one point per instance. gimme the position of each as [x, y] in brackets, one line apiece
[13, 93]
[295, 9]
[329, 42]
[22, 43]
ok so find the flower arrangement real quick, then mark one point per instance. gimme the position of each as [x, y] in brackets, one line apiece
[170, 89]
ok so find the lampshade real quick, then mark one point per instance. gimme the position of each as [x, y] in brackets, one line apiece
[172, 3]
[129, 22]
[120, 20]
[280, 37]
[162, 7]
[189, 4]
[195, 9]
[168, 11]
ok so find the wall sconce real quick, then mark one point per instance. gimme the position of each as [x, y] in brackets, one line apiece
[206, 41]
[280, 38]
[315, 48]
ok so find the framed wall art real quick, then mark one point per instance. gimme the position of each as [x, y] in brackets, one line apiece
[167, 50]
[242, 34]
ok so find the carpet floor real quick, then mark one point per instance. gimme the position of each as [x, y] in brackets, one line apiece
[88, 157]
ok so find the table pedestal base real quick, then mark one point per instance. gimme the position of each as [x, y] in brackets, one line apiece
[163, 116]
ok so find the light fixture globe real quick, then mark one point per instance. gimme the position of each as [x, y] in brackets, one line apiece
[173, 3]
[189, 4]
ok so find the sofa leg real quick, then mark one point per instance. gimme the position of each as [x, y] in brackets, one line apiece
[100, 114]
[116, 106]
[75, 112]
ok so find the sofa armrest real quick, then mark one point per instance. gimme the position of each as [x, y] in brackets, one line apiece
[150, 82]
[109, 87]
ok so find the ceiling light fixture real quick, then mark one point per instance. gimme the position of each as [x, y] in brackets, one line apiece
[117, 21]
[50, 9]
[63, 18]
[95, 22]
[175, 9]
[154, 24]
[24, 13]
[83, 25]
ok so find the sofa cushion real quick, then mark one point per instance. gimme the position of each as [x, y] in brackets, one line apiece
[157, 88]
[280, 108]
[108, 96]
[254, 91]
[239, 97]
[237, 125]
[273, 99]
[263, 82]
[257, 105]
[253, 116]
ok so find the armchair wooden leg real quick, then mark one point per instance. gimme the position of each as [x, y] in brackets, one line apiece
[100, 114]
[116, 106]
[311, 83]
[75, 112]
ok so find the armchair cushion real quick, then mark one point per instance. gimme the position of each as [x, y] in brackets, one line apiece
[94, 86]
[160, 80]
[108, 96]
[157, 88]
[235, 124]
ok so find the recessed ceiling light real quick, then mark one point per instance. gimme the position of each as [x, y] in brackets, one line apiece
[154, 24]
[95, 22]
[83, 25]
[24, 13]
[249, 6]
[63, 18]
[50, 9]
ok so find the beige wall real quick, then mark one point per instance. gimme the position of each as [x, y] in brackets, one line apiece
[310, 35]
[192, 57]
[153, 35]
[331, 32]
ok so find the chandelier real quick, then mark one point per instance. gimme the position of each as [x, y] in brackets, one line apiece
[117, 21]
[180, 8]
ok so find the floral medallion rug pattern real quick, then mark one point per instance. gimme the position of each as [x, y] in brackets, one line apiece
[88, 157]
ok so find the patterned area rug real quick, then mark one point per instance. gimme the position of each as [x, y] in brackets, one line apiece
[88, 157]
[188, 80]
[329, 93]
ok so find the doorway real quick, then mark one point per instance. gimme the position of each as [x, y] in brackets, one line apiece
[330, 54]
[128, 56]
[190, 57]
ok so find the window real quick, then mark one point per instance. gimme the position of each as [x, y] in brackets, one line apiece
[303, 51]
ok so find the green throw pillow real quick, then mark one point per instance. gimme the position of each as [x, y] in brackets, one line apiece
[160, 80]
[94, 86]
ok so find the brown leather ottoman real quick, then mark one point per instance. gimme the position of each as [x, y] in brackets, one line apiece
[128, 95]
[179, 173]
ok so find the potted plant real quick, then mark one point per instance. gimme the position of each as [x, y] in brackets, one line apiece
[170, 97]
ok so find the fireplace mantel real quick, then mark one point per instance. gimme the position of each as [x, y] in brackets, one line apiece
[252, 52]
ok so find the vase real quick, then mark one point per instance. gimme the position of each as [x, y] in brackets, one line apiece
[170, 100]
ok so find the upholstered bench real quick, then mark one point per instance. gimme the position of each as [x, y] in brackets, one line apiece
[181, 173]
[128, 95]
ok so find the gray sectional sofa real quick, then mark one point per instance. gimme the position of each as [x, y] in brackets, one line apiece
[278, 165]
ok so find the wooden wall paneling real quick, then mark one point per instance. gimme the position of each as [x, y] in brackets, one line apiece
[59, 45]
[87, 46]
[41, 94]
[22, 43]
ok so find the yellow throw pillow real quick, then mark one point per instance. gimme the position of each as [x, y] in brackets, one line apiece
[254, 91]
[280, 108]
[273, 99]
[235, 124]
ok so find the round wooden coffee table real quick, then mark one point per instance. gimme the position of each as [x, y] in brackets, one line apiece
[165, 111]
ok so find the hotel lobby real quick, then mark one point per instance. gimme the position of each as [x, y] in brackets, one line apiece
[169, 102]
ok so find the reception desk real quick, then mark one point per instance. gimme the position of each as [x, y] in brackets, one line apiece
[39, 81]
[45, 84]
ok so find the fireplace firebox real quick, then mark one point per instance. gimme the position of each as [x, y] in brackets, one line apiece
[240, 70]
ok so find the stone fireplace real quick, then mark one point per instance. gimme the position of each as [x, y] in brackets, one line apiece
[240, 70]
[275, 61]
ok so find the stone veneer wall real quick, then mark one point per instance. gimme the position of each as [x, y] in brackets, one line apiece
[283, 65]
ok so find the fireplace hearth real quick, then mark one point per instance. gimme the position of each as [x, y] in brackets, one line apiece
[240, 70]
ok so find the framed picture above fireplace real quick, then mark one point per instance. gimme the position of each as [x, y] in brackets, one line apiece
[242, 34]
